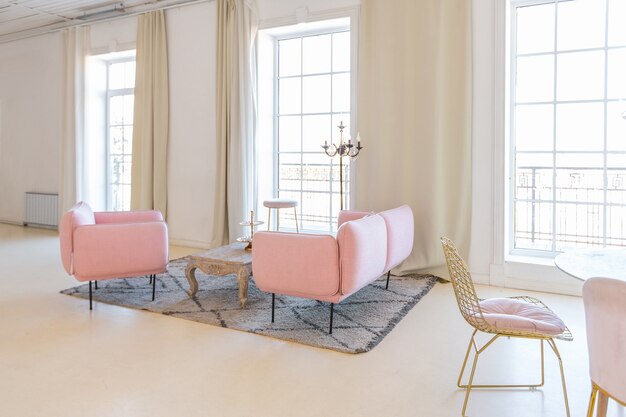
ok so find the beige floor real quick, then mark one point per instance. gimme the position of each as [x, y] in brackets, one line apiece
[59, 359]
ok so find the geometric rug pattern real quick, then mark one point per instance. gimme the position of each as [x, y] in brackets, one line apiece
[360, 322]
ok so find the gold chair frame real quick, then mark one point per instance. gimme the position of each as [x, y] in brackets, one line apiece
[602, 402]
[469, 305]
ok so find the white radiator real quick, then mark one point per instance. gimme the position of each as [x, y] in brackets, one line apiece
[41, 209]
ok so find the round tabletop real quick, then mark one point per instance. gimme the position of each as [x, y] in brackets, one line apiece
[589, 263]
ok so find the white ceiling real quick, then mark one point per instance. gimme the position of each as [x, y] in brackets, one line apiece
[23, 18]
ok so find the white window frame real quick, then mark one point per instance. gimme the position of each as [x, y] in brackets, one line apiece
[269, 28]
[110, 93]
[332, 162]
[511, 152]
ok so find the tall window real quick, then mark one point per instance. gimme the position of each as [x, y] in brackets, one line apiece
[568, 124]
[120, 102]
[312, 90]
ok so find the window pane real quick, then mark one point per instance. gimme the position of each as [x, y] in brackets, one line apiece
[535, 78]
[535, 29]
[315, 130]
[533, 225]
[316, 54]
[578, 226]
[337, 120]
[341, 93]
[580, 127]
[129, 74]
[116, 140]
[533, 177]
[617, 28]
[290, 59]
[581, 24]
[116, 76]
[289, 96]
[617, 73]
[128, 140]
[616, 126]
[287, 219]
[534, 127]
[341, 51]
[316, 94]
[289, 172]
[129, 103]
[289, 133]
[573, 68]
[580, 185]
[315, 211]
[616, 226]
[116, 110]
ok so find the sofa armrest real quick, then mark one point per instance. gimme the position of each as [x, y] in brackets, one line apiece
[120, 250]
[349, 215]
[137, 216]
[296, 264]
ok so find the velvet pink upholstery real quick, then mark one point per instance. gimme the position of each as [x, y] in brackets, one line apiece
[349, 215]
[605, 312]
[328, 269]
[517, 315]
[123, 245]
[296, 264]
[400, 231]
[363, 249]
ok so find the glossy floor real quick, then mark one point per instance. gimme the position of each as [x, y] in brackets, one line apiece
[59, 359]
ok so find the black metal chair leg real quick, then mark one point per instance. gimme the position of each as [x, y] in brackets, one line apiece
[150, 279]
[387, 286]
[332, 305]
[96, 282]
[90, 302]
[153, 285]
[273, 297]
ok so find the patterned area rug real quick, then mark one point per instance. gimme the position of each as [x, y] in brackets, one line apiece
[360, 322]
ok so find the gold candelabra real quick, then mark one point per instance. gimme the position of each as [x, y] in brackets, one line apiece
[345, 149]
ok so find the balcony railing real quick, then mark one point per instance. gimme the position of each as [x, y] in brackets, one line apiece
[569, 207]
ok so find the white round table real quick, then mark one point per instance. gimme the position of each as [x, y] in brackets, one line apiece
[588, 263]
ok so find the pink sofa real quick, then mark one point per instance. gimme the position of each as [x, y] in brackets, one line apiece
[326, 268]
[106, 245]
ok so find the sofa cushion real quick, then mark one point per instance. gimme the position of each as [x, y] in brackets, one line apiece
[399, 223]
[80, 214]
[362, 252]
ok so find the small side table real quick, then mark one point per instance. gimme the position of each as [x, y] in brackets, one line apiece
[230, 259]
[279, 203]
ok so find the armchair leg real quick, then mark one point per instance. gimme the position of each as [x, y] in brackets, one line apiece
[90, 302]
[332, 305]
[388, 273]
[273, 298]
[150, 277]
[153, 285]
[96, 282]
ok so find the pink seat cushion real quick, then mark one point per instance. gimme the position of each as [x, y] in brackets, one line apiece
[517, 315]
[280, 203]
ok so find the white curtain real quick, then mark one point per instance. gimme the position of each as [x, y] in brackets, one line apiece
[151, 116]
[414, 116]
[236, 118]
[76, 46]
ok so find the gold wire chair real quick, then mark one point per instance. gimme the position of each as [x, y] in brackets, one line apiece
[469, 304]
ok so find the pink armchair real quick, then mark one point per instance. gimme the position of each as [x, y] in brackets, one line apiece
[330, 269]
[605, 308]
[106, 245]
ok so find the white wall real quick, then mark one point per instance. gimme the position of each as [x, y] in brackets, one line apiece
[30, 121]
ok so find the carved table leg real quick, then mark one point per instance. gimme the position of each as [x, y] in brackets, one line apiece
[243, 277]
[190, 273]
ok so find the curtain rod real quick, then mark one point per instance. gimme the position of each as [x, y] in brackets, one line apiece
[146, 7]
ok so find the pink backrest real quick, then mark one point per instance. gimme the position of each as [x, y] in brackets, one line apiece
[137, 216]
[296, 264]
[362, 252]
[79, 215]
[349, 215]
[399, 222]
[605, 312]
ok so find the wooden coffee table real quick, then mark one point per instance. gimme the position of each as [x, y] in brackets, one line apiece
[230, 259]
